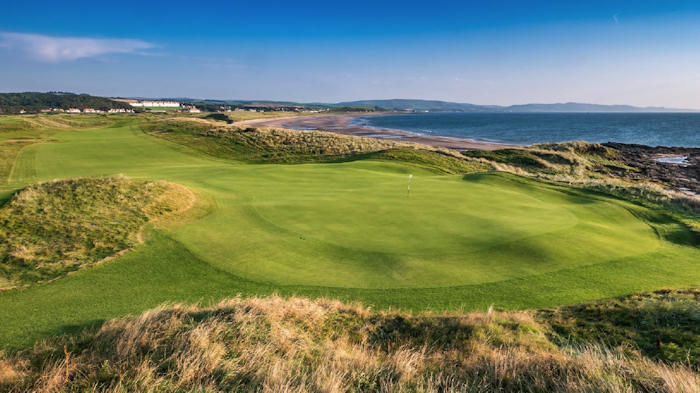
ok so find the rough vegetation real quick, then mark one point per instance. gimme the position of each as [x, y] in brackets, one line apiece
[50, 229]
[298, 345]
[274, 145]
[572, 158]
[662, 325]
[601, 168]
[265, 145]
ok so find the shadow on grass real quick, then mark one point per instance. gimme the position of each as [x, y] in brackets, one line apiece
[664, 325]
[5, 196]
[72, 329]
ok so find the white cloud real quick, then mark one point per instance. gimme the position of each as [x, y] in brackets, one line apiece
[56, 49]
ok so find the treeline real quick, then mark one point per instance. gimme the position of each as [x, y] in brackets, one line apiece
[34, 102]
[360, 108]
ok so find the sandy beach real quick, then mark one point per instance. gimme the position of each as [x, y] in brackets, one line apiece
[341, 124]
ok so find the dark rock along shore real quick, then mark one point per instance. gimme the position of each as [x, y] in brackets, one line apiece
[684, 177]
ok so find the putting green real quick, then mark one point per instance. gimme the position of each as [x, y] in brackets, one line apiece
[350, 226]
[348, 230]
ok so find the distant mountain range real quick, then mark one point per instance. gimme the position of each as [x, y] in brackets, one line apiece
[446, 106]
[14, 102]
[426, 105]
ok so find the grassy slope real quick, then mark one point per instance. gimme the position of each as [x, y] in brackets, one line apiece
[663, 325]
[293, 147]
[595, 167]
[264, 145]
[53, 228]
[297, 345]
[187, 263]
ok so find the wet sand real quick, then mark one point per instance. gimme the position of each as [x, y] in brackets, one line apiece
[341, 124]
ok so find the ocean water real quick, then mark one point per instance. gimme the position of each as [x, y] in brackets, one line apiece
[653, 129]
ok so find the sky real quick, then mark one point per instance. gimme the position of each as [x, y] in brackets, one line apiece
[501, 52]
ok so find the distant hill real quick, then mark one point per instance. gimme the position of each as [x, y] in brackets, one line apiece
[34, 102]
[444, 106]
[421, 105]
[580, 107]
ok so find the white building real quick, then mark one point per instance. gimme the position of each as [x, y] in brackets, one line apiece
[156, 104]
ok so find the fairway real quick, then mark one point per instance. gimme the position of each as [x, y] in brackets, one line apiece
[348, 230]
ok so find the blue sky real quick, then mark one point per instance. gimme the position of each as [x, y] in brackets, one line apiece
[497, 52]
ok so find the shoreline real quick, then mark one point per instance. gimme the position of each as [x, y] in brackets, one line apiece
[683, 176]
[342, 124]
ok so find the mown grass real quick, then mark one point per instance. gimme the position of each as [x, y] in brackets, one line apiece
[50, 229]
[297, 345]
[345, 230]
[9, 150]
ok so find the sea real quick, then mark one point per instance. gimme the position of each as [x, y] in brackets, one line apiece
[652, 129]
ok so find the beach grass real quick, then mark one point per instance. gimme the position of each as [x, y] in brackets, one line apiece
[298, 345]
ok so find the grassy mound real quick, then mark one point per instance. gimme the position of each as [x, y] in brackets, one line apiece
[299, 345]
[595, 167]
[57, 122]
[435, 160]
[663, 325]
[570, 158]
[264, 145]
[272, 145]
[53, 228]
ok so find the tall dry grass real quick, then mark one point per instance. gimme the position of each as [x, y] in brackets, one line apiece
[298, 345]
[278, 145]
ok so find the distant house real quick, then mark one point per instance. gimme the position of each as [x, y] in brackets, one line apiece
[191, 109]
[73, 110]
[117, 110]
[155, 104]
[45, 110]
[22, 111]
[89, 110]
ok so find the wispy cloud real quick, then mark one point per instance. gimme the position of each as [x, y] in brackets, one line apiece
[615, 19]
[56, 49]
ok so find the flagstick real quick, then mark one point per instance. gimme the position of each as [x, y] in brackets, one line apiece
[408, 187]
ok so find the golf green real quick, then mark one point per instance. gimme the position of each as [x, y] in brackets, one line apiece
[348, 230]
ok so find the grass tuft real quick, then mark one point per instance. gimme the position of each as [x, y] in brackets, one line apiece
[275, 145]
[663, 325]
[299, 345]
[53, 228]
